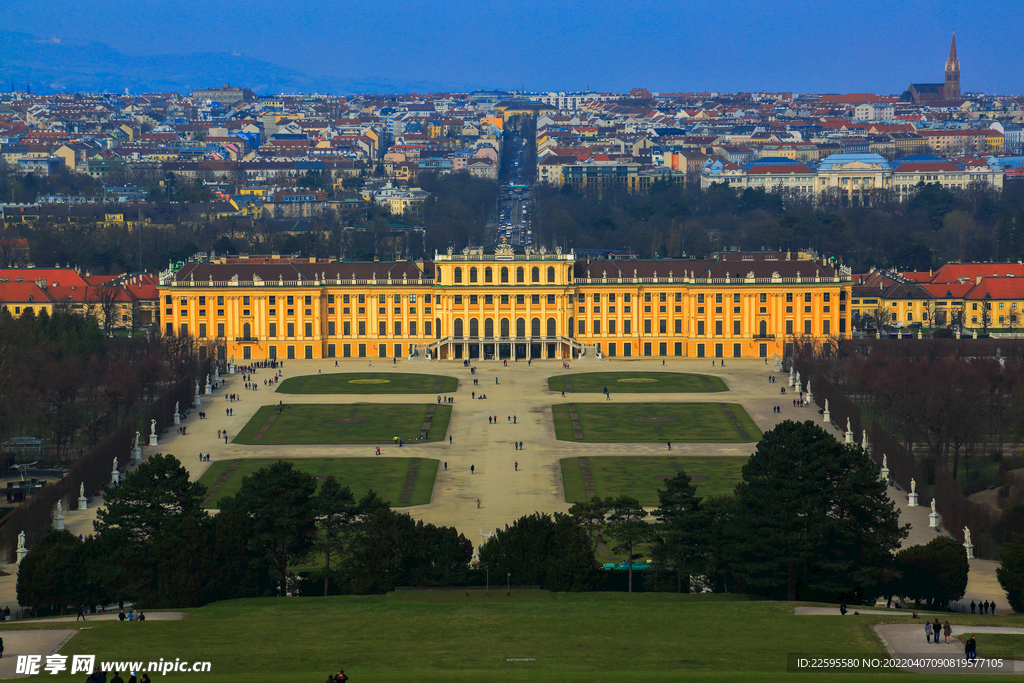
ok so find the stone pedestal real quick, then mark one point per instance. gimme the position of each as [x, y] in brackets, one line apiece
[59, 525]
[177, 419]
[969, 547]
[848, 436]
[885, 474]
[22, 552]
[137, 453]
[934, 520]
[826, 416]
[878, 334]
[83, 503]
[810, 396]
[115, 478]
[198, 400]
[152, 439]
[209, 389]
[231, 368]
[912, 500]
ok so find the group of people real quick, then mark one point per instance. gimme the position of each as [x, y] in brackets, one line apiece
[131, 616]
[446, 399]
[181, 430]
[204, 457]
[98, 676]
[339, 677]
[937, 630]
[984, 607]
[519, 447]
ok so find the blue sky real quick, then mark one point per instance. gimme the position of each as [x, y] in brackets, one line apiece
[821, 46]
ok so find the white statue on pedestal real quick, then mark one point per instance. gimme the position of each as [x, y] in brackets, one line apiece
[152, 427]
[967, 536]
[59, 509]
[114, 470]
[176, 407]
[913, 486]
[885, 462]
[137, 435]
[21, 541]
[933, 506]
[81, 490]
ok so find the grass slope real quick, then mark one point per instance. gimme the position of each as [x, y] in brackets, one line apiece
[386, 476]
[636, 383]
[369, 423]
[368, 383]
[612, 422]
[636, 476]
[448, 636]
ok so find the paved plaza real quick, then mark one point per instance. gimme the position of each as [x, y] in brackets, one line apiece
[519, 390]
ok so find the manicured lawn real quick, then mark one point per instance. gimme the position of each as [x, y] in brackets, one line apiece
[612, 422]
[642, 476]
[995, 645]
[444, 636]
[368, 383]
[368, 423]
[636, 383]
[386, 476]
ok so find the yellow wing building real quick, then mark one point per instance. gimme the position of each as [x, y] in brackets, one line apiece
[506, 302]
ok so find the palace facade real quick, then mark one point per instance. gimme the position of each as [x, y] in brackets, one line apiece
[509, 303]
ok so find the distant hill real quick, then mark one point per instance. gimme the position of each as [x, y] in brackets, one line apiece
[50, 65]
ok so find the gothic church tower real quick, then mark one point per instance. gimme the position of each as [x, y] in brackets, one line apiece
[951, 89]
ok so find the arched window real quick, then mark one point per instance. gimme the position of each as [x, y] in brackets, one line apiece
[437, 327]
[535, 274]
[572, 331]
[762, 328]
[458, 328]
[551, 327]
[474, 328]
[910, 317]
[504, 328]
[520, 327]
[520, 274]
[458, 275]
[489, 328]
[487, 275]
[472, 274]
[535, 327]
[246, 330]
[551, 274]
[437, 275]
[504, 275]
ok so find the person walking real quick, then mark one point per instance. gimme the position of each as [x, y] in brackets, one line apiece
[472, 469]
[992, 607]
[477, 503]
[670, 445]
[928, 631]
[947, 630]
[972, 649]
[517, 465]
[972, 606]
[449, 439]
[937, 631]
[986, 607]
[445, 465]
[81, 613]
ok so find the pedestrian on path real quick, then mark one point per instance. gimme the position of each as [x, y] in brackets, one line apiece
[517, 465]
[971, 649]
[81, 613]
[477, 503]
[449, 439]
[563, 394]
[670, 445]
[513, 419]
[937, 631]
[972, 606]
[218, 434]
[445, 465]
[992, 607]
[928, 631]
[472, 469]
[947, 630]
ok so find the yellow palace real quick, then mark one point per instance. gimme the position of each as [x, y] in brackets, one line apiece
[509, 303]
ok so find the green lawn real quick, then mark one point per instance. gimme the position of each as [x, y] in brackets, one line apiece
[612, 422]
[369, 423]
[369, 383]
[642, 476]
[636, 383]
[447, 636]
[385, 475]
[995, 645]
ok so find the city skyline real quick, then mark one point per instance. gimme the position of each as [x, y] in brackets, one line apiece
[574, 46]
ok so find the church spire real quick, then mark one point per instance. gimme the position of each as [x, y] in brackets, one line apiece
[951, 87]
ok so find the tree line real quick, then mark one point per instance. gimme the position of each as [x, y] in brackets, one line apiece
[935, 226]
